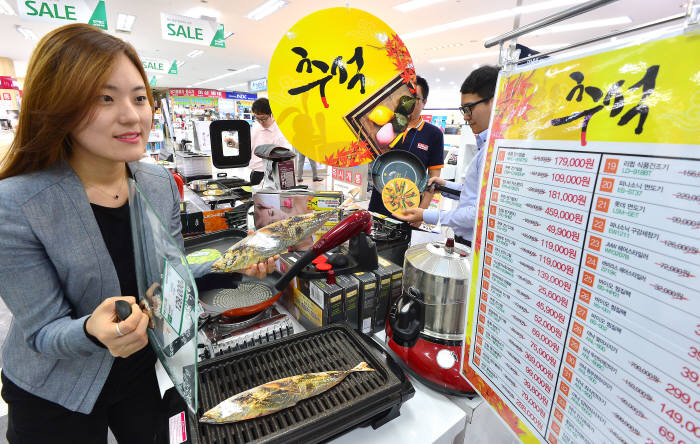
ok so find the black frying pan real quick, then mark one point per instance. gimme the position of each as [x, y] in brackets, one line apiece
[400, 163]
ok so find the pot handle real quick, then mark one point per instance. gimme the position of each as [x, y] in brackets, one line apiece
[407, 323]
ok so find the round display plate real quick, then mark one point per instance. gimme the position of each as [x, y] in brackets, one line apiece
[400, 194]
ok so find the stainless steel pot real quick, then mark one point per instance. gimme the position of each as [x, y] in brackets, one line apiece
[198, 185]
[441, 275]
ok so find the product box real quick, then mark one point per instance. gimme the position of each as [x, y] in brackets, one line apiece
[314, 303]
[273, 205]
[367, 300]
[381, 310]
[192, 223]
[396, 279]
[330, 298]
[350, 288]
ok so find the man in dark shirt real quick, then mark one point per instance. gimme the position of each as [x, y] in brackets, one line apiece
[422, 139]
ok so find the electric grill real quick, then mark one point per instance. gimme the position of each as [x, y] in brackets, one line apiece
[361, 399]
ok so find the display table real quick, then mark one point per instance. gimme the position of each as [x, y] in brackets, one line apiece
[428, 417]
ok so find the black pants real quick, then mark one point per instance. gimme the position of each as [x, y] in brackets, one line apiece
[256, 177]
[463, 241]
[130, 410]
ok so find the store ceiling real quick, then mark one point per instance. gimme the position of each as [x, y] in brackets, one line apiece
[254, 41]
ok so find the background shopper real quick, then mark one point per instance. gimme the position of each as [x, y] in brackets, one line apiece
[265, 131]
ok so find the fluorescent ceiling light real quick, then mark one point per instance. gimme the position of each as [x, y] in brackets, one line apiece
[228, 74]
[203, 13]
[415, 4]
[125, 22]
[602, 23]
[195, 53]
[228, 34]
[26, 33]
[491, 16]
[236, 85]
[6, 9]
[265, 9]
[479, 55]
[180, 63]
[476, 55]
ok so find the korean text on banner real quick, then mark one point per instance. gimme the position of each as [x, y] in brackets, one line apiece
[63, 12]
[180, 28]
[584, 320]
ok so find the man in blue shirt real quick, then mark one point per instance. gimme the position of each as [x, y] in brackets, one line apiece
[422, 139]
[477, 101]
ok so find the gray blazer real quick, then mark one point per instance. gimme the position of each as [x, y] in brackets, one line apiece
[54, 271]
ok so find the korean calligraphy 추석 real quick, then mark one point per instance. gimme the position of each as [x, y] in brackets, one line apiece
[613, 96]
[337, 67]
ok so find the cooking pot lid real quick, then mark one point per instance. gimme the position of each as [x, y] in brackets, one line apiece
[433, 258]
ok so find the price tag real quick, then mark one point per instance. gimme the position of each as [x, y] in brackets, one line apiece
[174, 291]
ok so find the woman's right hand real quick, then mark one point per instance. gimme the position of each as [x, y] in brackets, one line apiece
[104, 325]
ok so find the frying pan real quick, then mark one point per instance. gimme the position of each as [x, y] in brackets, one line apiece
[252, 295]
[401, 163]
[249, 296]
[234, 294]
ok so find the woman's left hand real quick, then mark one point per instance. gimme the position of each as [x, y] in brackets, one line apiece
[261, 269]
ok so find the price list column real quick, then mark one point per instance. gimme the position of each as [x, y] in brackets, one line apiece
[535, 228]
[631, 371]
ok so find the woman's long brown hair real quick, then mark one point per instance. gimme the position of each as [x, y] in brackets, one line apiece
[64, 78]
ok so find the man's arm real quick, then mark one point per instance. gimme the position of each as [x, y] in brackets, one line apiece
[435, 162]
[465, 213]
[428, 193]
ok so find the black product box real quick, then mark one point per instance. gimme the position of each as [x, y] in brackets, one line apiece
[396, 279]
[381, 310]
[192, 223]
[314, 303]
[350, 288]
[367, 300]
[330, 298]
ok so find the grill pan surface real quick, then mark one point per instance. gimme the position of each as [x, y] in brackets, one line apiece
[359, 398]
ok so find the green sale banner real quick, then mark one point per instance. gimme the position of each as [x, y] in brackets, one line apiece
[63, 12]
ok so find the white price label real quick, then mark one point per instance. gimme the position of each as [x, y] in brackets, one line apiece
[172, 306]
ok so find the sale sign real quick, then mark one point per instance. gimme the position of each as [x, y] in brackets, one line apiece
[180, 28]
[159, 66]
[584, 316]
[63, 12]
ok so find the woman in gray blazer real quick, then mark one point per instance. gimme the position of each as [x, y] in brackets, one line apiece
[66, 255]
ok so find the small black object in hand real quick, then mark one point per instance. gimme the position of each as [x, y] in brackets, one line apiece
[123, 309]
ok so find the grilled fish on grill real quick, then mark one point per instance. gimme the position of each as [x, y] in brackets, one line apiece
[270, 240]
[276, 395]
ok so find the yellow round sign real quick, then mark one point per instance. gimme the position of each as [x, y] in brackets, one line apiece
[400, 194]
[335, 83]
